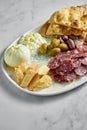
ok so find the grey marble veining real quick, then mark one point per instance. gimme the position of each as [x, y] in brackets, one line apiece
[21, 111]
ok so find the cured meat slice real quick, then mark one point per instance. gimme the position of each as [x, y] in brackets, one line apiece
[76, 63]
[66, 66]
[54, 63]
[84, 61]
[81, 70]
[52, 71]
[65, 78]
[81, 48]
[58, 78]
[69, 77]
[80, 55]
[74, 53]
[77, 53]
[64, 55]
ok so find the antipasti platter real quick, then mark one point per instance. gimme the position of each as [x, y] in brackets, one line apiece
[50, 59]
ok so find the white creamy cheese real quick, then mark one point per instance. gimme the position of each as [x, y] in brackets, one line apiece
[16, 54]
[32, 41]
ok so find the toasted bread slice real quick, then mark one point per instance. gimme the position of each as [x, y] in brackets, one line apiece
[75, 17]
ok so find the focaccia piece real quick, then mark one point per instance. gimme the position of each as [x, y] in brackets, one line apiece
[56, 30]
[44, 28]
[61, 17]
[75, 17]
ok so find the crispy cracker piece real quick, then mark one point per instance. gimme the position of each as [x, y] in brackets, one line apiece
[22, 66]
[33, 81]
[19, 75]
[19, 72]
[27, 78]
[43, 70]
[44, 82]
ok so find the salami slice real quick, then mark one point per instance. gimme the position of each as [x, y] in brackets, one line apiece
[76, 63]
[84, 61]
[81, 70]
[65, 78]
[53, 63]
[80, 55]
[64, 55]
[65, 67]
[81, 48]
[69, 77]
[58, 78]
[77, 53]
[52, 71]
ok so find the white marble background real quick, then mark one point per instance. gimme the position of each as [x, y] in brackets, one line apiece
[21, 111]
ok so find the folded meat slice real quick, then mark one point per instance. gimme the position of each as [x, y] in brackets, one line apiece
[81, 70]
[65, 78]
[84, 61]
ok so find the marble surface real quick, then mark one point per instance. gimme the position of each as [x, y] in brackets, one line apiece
[21, 111]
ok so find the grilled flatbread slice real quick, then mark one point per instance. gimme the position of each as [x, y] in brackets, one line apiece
[56, 30]
[75, 17]
[44, 28]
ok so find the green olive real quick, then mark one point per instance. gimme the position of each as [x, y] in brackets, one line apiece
[63, 47]
[43, 48]
[54, 43]
[54, 51]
